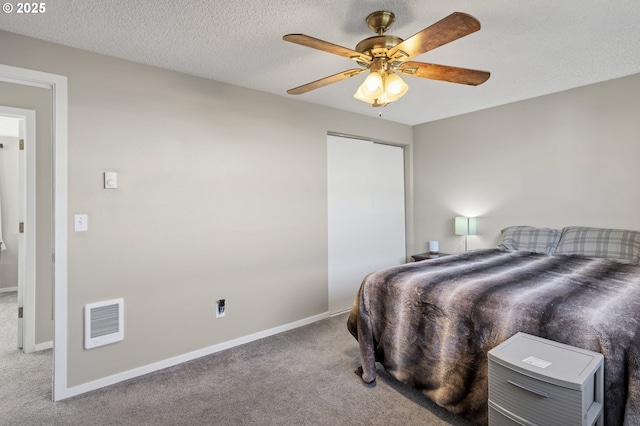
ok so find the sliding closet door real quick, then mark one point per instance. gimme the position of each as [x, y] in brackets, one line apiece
[365, 214]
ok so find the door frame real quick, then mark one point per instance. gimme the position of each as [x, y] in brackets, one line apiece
[27, 215]
[59, 133]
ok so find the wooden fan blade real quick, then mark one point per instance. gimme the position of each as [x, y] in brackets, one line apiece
[325, 81]
[444, 73]
[451, 28]
[325, 46]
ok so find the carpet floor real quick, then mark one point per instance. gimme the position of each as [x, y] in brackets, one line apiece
[300, 377]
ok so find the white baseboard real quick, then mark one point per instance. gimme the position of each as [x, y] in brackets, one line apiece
[43, 346]
[8, 289]
[156, 366]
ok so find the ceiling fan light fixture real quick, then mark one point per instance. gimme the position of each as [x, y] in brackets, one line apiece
[364, 97]
[371, 88]
[373, 85]
[388, 87]
[395, 87]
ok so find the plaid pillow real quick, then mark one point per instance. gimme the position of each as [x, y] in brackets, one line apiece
[615, 244]
[529, 238]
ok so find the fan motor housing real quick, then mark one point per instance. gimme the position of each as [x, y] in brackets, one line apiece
[378, 45]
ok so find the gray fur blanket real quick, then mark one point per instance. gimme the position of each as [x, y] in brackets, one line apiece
[431, 323]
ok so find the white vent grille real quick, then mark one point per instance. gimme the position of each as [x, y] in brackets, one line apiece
[103, 323]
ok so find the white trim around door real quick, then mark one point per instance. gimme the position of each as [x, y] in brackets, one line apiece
[58, 86]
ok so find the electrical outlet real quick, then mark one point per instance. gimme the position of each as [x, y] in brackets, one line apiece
[220, 308]
[81, 222]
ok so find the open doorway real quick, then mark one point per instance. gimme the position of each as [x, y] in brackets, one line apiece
[17, 217]
[56, 87]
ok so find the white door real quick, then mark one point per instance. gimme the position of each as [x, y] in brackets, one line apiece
[366, 218]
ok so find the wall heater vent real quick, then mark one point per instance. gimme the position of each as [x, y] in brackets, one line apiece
[103, 323]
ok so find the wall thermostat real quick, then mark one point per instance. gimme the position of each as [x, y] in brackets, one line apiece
[110, 180]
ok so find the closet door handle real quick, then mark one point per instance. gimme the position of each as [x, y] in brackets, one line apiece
[528, 389]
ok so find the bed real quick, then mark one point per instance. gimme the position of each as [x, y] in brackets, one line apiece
[431, 323]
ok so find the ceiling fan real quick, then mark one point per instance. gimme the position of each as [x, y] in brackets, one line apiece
[385, 55]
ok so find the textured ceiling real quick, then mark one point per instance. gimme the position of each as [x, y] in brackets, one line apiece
[531, 48]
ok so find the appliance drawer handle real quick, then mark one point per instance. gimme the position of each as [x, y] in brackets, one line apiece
[527, 388]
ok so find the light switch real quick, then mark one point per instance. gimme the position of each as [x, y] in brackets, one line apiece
[110, 180]
[81, 222]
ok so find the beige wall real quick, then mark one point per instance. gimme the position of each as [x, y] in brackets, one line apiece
[222, 195]
[570, 158]
[39, 100]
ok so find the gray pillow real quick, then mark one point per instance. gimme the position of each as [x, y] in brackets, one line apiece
[616, 244]
[529, 238]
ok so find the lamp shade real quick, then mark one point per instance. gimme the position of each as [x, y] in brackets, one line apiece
[394, 87]
[473, 227]
[466, 226]
[380, 88]
[371, 88]
[373, 84]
